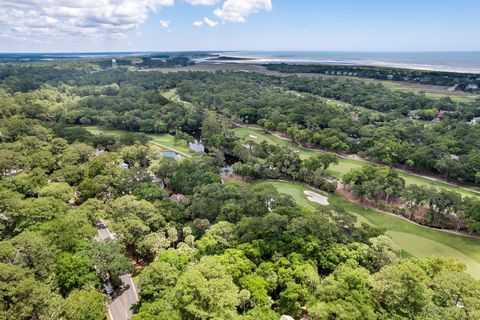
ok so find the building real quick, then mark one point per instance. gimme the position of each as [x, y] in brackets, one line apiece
[475, 121]
[471, 86]
[177, 197]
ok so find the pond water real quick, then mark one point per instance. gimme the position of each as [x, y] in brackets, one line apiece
[171, 154]
[196, 146]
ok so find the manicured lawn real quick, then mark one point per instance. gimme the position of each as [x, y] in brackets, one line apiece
[165, 140]
[344, 164]
[415, 240]
[169, 94]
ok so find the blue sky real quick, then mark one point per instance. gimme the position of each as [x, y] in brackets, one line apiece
[163, 25]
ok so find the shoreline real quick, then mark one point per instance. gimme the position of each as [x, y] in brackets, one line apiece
[354, 63]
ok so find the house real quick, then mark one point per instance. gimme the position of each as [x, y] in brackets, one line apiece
[454, 157]
[177, 197]
[441, 114]
[475, 121]
[99, 152]
[471, 86]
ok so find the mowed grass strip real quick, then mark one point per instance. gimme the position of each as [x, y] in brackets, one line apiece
[415, 240]
[346, 164]
[165, 140]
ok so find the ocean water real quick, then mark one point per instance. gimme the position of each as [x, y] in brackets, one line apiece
[443, 61]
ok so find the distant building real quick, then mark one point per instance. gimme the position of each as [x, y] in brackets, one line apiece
[99, 153]
[177, 197]
[471, 86]
[475, 121]
[441, 114]
[454, 157]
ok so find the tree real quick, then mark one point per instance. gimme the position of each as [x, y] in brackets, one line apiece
[402, 289]
[206, 291]
[345, 294]
[320, 160]
[85, 305]
[136, 155]
[74, 271]
[413, 195]
[24, 297]
[456, 293]
[58, 190]
[109, 259]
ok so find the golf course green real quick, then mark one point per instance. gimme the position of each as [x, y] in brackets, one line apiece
[413, 239]
[345, 164]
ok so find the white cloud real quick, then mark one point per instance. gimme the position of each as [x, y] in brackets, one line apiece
[205, 21]
[210, 23]
[202, 2]
[165, 23]
[54, 19]
[239, 10]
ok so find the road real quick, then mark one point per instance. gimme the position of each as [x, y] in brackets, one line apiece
[120, 307]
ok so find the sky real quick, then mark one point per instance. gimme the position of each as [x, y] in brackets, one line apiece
[286, 25]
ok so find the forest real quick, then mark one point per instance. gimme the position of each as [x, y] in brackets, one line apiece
[460, 81]
[227, 248]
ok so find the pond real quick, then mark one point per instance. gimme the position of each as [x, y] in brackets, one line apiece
[171, 154]
[196, 146]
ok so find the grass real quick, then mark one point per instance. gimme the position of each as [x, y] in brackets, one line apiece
[169, 94]
[413, 239]
[434, 92]
[165, 140]
[345, 164]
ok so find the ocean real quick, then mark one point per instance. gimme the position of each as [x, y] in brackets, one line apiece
[440, 61]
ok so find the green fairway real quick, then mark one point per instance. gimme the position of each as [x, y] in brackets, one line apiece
[163, 140]
[345, 164]
[415, 240]
[169, 94]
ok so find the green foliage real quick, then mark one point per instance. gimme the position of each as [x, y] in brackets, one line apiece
[206, 291]
[85, 305]
[109, 258]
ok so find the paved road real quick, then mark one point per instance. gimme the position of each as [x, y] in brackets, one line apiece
[120, 307]
[104, 234]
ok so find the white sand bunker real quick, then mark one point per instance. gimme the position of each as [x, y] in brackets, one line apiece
[316, 197]
[252, 136]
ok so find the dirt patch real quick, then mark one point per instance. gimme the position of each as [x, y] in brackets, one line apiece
[316, 197]
[252, 136]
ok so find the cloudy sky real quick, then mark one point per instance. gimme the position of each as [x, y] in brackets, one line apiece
[161, 25]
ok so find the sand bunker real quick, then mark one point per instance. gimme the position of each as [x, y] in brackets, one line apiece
[316, 197]
[252, 136]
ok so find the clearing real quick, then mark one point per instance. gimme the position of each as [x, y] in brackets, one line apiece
[164, 140]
